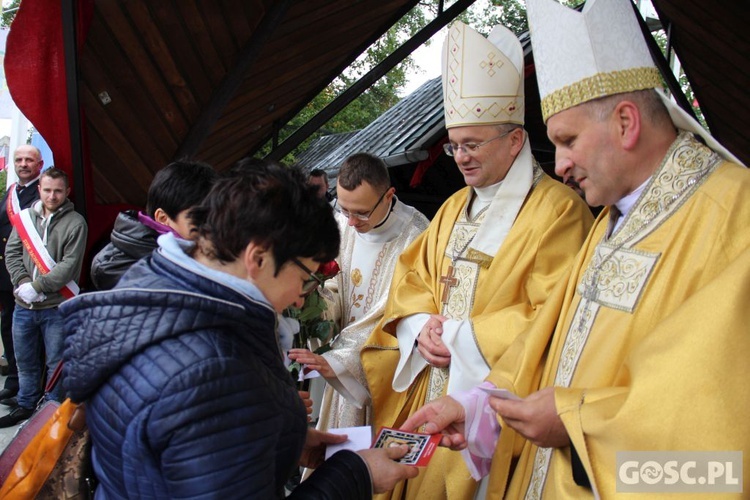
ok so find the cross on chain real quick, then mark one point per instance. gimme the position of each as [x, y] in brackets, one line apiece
[449, 281]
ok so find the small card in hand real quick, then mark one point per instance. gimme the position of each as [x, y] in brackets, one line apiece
[421, 446]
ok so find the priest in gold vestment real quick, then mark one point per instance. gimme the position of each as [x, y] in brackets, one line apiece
[375, 228]
[479, 275]
[644, 345]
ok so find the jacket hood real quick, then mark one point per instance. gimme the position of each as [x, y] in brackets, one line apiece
[131, 236]
[104, 330]
[67, 206]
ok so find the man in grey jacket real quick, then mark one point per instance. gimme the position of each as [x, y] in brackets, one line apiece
[43, 256]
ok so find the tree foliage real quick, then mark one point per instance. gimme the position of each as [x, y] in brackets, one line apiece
[485, 16]
[9, 12]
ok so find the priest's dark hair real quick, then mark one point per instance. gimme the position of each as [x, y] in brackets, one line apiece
[364, 167]
[180, 185]
[271, 205]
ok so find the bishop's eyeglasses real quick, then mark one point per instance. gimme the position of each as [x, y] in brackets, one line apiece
[470, 147]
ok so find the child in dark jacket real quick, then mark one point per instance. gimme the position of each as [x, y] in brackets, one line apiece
[176, 189]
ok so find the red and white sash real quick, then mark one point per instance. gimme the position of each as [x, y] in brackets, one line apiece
[13, 205]
[24, 224]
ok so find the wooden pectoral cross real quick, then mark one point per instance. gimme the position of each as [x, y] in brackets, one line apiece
[449, 281]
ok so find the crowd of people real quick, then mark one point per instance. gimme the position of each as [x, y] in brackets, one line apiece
[540, 342]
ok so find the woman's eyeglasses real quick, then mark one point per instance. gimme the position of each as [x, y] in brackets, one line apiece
[310, 284]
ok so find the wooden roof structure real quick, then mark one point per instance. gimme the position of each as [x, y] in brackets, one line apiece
[211, 79]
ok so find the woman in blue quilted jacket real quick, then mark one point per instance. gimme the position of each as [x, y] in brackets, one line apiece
[180, 367]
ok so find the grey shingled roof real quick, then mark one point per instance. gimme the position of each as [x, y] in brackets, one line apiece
[401, 135]
[321, 147]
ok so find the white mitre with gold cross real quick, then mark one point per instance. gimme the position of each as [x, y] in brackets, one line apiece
[482, 77]
[597, 52]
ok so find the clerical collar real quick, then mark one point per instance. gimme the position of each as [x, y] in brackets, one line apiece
[383, 228]
[626, 203]
[484, 197]
[382, 224]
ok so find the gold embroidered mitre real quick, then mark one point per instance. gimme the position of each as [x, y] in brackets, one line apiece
[580, 56]
[482, 77]
[597, 52]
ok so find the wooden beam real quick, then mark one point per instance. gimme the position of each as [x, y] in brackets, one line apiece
[232, 81]
[69, 29]
[367, 80]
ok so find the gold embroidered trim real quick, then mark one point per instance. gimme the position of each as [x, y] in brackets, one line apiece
[479, 258]
[617, 276]
[683, 170]
[599, 85]
[538, 477]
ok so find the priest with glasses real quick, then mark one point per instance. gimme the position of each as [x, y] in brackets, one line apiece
[375, 228]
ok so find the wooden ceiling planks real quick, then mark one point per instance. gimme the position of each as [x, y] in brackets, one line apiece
[162, 61]
[197, 32]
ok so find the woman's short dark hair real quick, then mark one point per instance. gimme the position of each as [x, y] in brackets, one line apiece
[271, 205]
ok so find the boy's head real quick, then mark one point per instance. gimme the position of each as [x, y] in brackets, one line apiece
[177, 188]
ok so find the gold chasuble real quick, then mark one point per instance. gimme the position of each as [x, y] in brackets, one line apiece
[650, 348]
[497, 296]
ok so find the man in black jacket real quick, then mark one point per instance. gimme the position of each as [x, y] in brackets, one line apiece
[28, 163]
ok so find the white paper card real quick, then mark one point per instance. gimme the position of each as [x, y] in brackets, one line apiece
[500, 393]
[304, 375]
[360, 438]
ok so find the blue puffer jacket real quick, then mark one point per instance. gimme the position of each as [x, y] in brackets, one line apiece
[186, 392]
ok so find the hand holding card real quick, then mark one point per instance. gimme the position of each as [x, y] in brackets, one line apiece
[421, 446]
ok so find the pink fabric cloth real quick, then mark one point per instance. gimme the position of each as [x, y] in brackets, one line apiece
[482, 429]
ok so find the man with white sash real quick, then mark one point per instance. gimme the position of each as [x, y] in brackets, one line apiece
[43, 256]
[644, 345]
[27, 161]
[478, 276]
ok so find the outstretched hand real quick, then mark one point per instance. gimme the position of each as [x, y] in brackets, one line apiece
[384, 472]
[535, 418]
[444, 415]
[312, 361]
